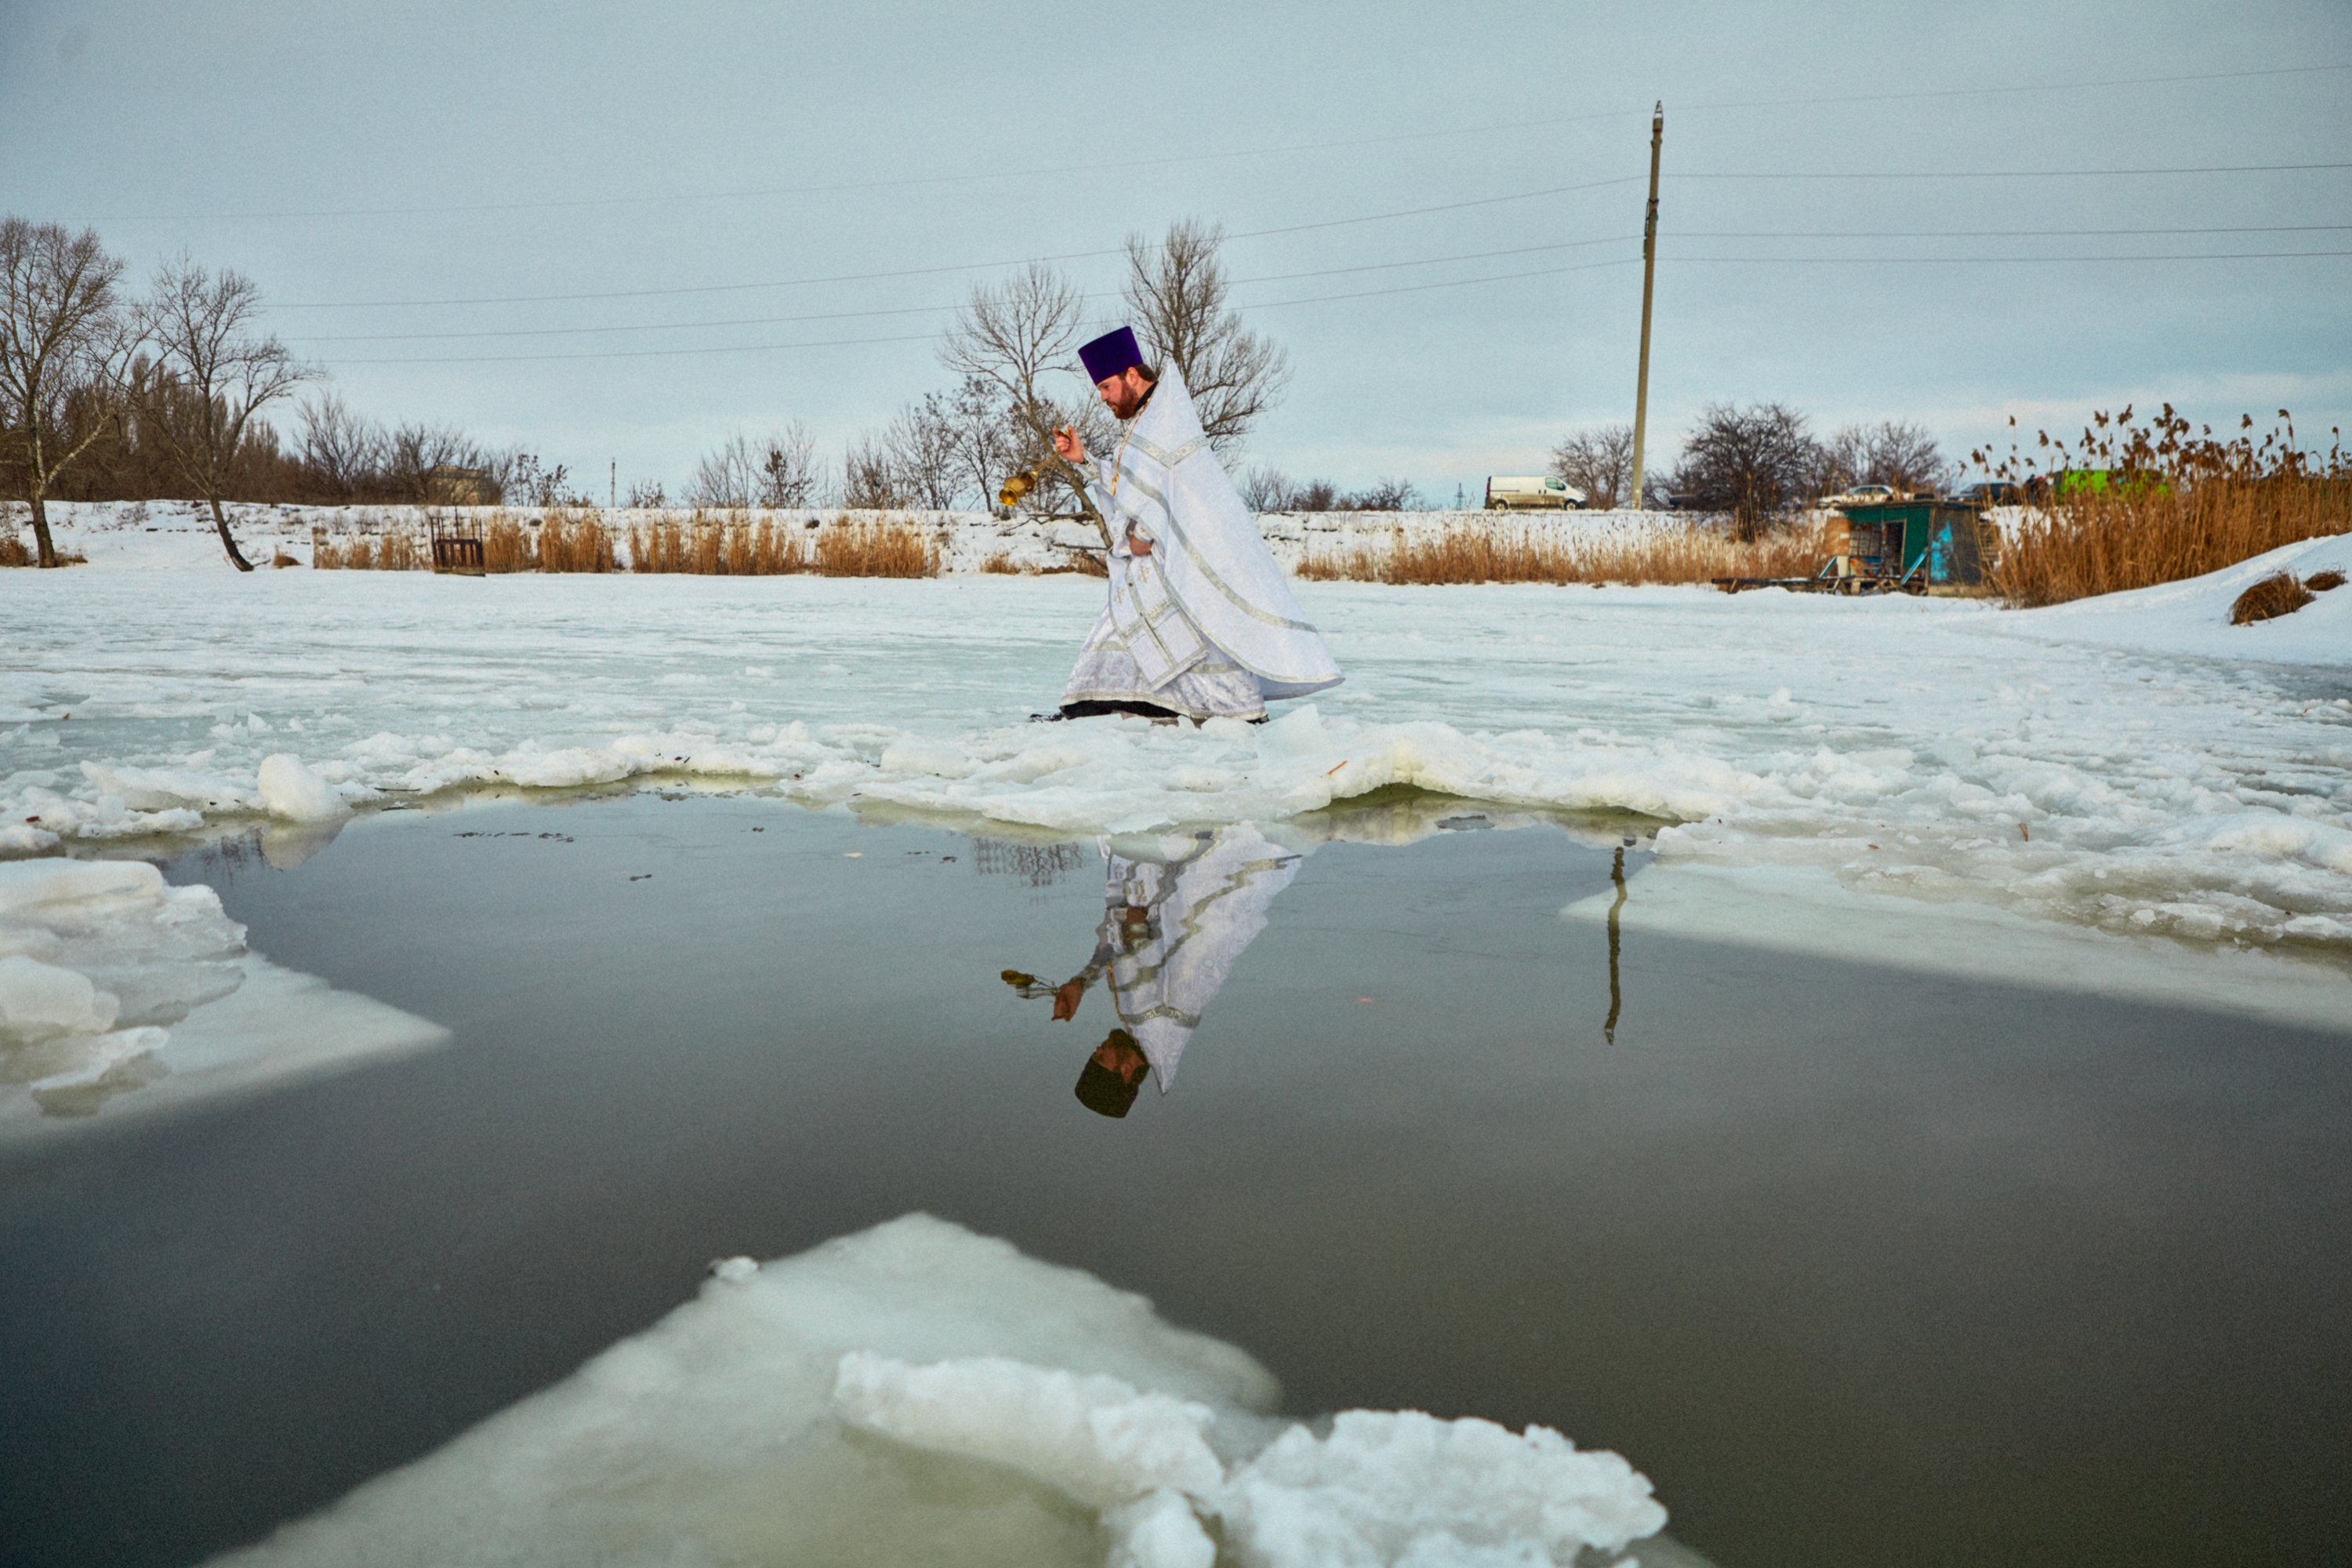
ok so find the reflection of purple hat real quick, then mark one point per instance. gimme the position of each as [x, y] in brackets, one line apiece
[1110, 353]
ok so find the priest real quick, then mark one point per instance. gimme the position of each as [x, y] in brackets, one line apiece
[1201, 622]
[1177, 916]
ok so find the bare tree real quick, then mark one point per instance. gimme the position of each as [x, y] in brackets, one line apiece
[64, 336]
[980, 437]
[1904, 456]
[412, 451]
[791, 473]
[225, 371]
[729, 477]
[1383, 495]
[1012, 336]
[1266, 489]
[867, 483]
[1176, 295]
[920, 448]
[343, 450]
[1754, 463]
[782, 469]
[1598, 461]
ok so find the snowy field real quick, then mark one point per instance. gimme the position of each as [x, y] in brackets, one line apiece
[2126, 794]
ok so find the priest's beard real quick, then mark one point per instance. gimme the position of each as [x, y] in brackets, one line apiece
[1126, 406]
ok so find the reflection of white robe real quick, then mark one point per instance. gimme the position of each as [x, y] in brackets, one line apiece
[1204, 910]
[1206, 624]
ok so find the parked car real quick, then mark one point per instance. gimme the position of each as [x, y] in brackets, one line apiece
[1992, 492]
[1504, 494]
[1862, 495]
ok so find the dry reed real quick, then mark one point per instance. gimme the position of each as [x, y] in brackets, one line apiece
[885, 549]
[393, 549]
[728, 545]
[1687, 553]
[13, 551]
[2171, 507]
[2274, 596]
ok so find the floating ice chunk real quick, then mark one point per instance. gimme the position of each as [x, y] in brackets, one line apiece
[122, 993]
[39, 1001]
[94, 1057]
[1402, 1487]
[1096, 1439]
[164, 789]
[915, 1392]
[1160, 1530]
[293, 792]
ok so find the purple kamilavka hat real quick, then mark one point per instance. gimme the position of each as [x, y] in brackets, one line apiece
[1108, 355]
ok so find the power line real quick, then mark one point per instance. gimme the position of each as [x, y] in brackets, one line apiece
[923, 310]
[1371, 293]
[1991, 233]
[1303, 228]
[1984, 260]
[1370, 267]
[935, 337]
[764, 193]
[954, 266]
[2015, 173]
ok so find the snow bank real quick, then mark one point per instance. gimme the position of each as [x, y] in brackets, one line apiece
[2192, 617]
[915, 1392]
[121, 995]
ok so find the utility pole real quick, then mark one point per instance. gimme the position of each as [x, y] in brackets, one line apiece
[1648, 274]
[613, 486]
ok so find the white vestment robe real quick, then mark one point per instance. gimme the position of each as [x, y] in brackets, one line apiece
[1206, 624]
[1202, 910]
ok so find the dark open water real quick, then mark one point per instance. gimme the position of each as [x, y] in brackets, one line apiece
[1858, 1267]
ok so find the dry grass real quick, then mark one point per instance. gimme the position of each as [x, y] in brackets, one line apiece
[394, 549]
[1690, 552]
[567, 539]
[885, 549]
[2105, 545]
[13, 551]
[1001, 564]
[725, 544]
[2175, 507]
[2276, 594]
[574, 539]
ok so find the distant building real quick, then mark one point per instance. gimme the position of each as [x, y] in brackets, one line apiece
[446, 484]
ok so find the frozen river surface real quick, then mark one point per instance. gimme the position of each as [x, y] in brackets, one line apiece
[1853, 1265]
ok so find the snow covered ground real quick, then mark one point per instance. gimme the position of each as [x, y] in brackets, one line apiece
[916, 1391]
[2133, 766]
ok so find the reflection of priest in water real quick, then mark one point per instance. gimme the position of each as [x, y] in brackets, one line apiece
[1171, 931]
[1201, 622]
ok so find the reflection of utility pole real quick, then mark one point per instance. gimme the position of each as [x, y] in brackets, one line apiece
[1616, 997]
[1649, 272]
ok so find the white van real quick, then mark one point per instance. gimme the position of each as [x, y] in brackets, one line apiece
[1503, 494]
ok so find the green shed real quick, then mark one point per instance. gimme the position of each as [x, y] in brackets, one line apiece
[1895, 537]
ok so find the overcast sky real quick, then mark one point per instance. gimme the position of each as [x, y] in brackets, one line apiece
[356, 160]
